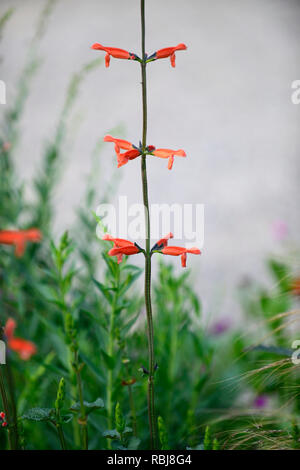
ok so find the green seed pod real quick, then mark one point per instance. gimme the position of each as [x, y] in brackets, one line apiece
[162, 432]
[120, 422]
[215, 445]
[207, 444]
[60, 397]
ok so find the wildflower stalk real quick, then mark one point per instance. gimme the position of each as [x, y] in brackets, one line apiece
[110, 351]
[83, 418]
[59, 402]
[11, 439]
[151, 408]
[11, 389]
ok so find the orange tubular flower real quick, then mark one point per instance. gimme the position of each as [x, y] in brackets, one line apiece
[25, 349]
[123, 158]
[121, 247]
[169, 52]
[164, 241]
[168, 153]
[114, 52]
[19, 238]
[295, 287]
[180, 251]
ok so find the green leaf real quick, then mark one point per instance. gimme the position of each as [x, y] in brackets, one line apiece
[111, 434]
[104, 290]
[109, 360]
[94, 369]
[134, 443]
[39, 414]
[89, 406]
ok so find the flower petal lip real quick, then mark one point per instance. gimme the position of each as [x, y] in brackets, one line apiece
[113, 51]
[118, 242]
[180, 251]
[167, 153]
[170, 154]
[169, 52]
[121, 143]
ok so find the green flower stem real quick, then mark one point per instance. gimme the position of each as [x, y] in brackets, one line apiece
[75, 372]
[60, 432]
[110, 352]
[11, 390]
[11, 440]
[132, 410]
[83, 417]
[151, 408]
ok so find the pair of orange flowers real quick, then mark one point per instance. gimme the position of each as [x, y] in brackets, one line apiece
[125, 247]
[133, 152]
[123, 54]
[25, 349]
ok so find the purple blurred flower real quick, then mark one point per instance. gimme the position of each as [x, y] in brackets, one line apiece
[220, 326]
[280, 230]
[261, 401]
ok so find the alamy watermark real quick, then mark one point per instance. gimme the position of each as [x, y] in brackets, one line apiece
[296, 353]
[295, 97]
[2, 352]
[185, 221]
[2, 92]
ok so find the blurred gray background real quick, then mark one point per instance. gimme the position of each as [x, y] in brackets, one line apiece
[227, 103]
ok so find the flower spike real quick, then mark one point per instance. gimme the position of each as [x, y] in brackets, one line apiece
[121, 247]
[169, 52]
[25, 349]
[20, 238]
[114, 52]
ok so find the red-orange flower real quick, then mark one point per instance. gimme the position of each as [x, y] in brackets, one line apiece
[169, 153]
[129, 382]
[180, 251]
[121, 247]
[295, 286]
[19, 238]
[25, 349]
[3, 419]
[124, 157]
[163, 241]
[114, 52]
[169, 52]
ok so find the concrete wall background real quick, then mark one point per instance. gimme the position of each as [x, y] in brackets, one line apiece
[227, 103]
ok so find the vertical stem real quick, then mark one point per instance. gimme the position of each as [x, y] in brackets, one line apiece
[61, 435]
[11, 388]
[132, 411]
[6, 410]
[83, 418]
[110, 351]
[151, 410]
